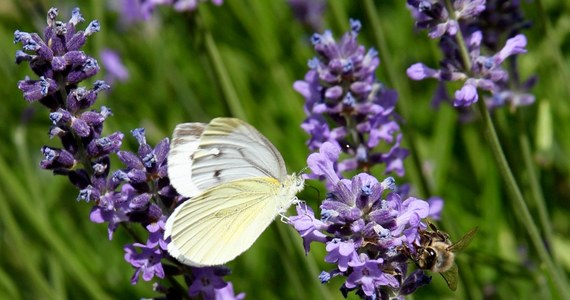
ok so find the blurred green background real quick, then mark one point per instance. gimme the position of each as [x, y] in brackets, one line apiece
[50, 250]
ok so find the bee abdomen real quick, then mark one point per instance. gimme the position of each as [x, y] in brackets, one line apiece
[444, 261]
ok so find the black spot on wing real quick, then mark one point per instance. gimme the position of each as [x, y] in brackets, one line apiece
[217, 174]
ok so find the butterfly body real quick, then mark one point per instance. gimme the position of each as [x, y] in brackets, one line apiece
[237, 184]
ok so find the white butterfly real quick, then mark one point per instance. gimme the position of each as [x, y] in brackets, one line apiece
[237, 183]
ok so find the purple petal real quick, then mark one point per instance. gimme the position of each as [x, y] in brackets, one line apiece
[514, 45]
[420, 71]
[466, 96]
[322, 163]
[435, 207]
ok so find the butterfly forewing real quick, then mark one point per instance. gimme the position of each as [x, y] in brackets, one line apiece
[224, 221]
[231, 149]
[185, 142]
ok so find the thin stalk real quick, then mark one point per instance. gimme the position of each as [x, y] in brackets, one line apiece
[513, 189]
[339, 15]
[12, 231]
[544, 27]
[286, 254]
[536, 191]
[505, 171]
[519, 202]
[230, 94]
[39, 223]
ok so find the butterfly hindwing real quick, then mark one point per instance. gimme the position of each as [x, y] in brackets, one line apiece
[222, 222]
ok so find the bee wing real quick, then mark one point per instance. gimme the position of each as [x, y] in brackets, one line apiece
[464, 241]
[450, 277]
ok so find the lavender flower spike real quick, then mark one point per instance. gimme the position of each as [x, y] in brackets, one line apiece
[138, 194]
[364, 225]
[116, 69]
[481, 21]
[136, 10]
[345, 104]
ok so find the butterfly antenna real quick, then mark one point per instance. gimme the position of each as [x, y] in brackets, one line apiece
[303, 171]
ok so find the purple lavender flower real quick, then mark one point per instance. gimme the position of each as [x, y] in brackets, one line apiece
[147, 262]
[433, 16]
[135, 194]
[191, 5]
[486, 73]
[207, 281]
[56, 58]
[309, 12]
[367, 275]
[112, 207]
[347, 106]
[143, 179]
[133, 11]
[227, 293]
[309, 227]
[142, 10]
[500, 19]
[341, 252]
[112, 62]
[364, 225]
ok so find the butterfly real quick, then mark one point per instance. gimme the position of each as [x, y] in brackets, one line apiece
[237, 183]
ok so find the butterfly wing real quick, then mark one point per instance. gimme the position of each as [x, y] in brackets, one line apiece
[185, 142]
[227, 149]
[231, 149]
[224, 221]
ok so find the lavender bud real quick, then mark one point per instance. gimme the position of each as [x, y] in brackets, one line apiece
[76, 17]
[51, 15]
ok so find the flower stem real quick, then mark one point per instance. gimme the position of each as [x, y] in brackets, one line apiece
[535, 188]
[513, 189]
[230, 94]
[536, 192]
[518, 200]
[339, 15]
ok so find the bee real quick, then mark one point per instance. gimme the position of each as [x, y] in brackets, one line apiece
[436, 253]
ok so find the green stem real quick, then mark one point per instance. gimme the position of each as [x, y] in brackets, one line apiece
[519, 203]
[512, 187]
[37, 222]
[535, 188]
[536, 191]
[230, 94]
[339, 15]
